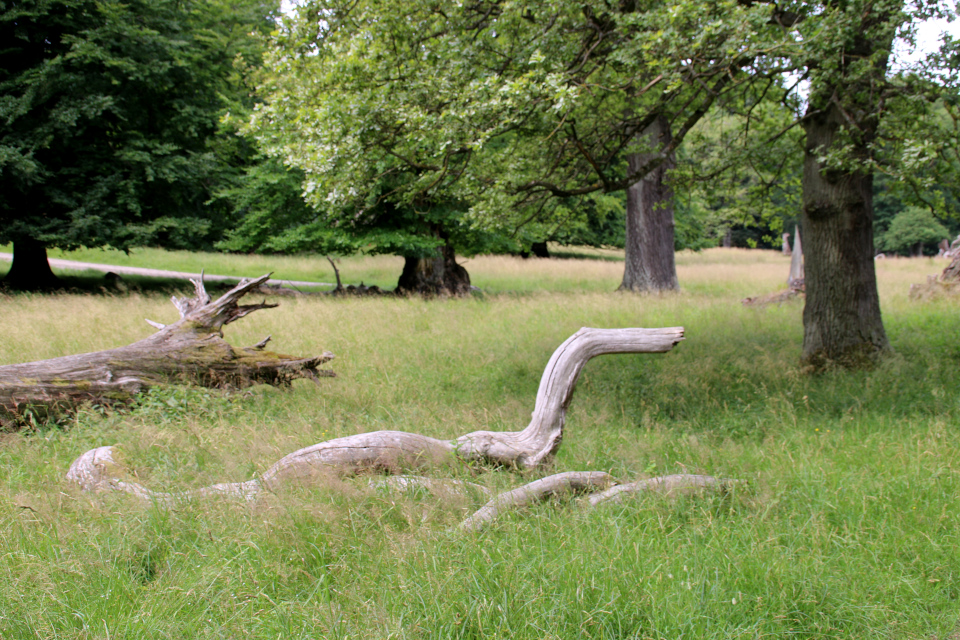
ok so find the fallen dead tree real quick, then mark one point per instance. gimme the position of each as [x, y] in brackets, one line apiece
[945, 284]
[394, 452]
[190, 350]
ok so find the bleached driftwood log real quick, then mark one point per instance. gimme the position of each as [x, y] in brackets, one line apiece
[593, 484]
[571, 482]
[396, 451]
[189, 350]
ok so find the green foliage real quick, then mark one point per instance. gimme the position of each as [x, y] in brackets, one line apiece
[109, 118]
[515, 113]
[911, 227]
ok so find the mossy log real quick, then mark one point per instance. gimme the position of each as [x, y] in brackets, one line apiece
[191, 350]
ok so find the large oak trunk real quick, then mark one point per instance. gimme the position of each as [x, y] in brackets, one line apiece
[650, 264]
[841, 319]
[435, 275]
[30, 270]
[189, 350]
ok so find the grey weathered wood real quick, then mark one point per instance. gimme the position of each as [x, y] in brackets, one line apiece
[190, 350]
[680, 483]
[571, 482]
[397, 451]
[596, 485]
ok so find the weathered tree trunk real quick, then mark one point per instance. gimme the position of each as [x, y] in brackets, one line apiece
[436, 275]
[540, 250]
[30, 270]
[189, 350]
[650, 264]
[951, 272]
[397, 451]
[841, 319]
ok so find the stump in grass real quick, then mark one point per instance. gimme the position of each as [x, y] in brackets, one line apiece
[189, 350]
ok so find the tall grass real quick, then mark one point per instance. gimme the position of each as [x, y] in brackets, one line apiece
[846, 528]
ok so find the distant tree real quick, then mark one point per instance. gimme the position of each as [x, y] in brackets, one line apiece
[911, 229]
[525, 113]
[109, 119]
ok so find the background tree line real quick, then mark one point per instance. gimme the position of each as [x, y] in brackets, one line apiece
[432, 131]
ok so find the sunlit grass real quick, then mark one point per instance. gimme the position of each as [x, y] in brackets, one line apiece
[847, 527]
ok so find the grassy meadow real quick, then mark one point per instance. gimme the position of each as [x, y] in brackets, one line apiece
[847, 524]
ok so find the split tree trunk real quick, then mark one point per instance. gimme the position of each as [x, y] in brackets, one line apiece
[189, 350]
[650, 265]
[397, 451]
[436, 275]
[30, 270]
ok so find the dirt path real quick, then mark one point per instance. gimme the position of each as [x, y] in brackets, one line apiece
[73, 265]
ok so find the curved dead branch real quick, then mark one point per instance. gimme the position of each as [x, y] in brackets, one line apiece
[593, 484]
[571, 482]
[394, 452]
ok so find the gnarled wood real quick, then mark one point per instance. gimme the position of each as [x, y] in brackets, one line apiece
[191, 350]
[542, 437]
[398, 451]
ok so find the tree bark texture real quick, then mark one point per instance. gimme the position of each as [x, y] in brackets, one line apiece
[189, 350]
[436, 275]
[650, 265]
[395, 452]
[841, 318]
[30, 270]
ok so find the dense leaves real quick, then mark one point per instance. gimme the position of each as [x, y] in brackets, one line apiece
[109, 116]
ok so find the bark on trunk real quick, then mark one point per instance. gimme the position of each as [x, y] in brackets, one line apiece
[189, 350]
[30, 270]
[841, 318]
[650, 264]
[437, 275]
[397, 451]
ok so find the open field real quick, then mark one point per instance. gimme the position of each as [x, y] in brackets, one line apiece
[848, 525]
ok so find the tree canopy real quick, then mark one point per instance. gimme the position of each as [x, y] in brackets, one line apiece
[109, 116]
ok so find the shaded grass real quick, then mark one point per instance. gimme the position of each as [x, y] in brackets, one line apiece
[847, 527]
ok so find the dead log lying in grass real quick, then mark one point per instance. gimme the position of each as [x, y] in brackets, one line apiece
[189, 350]
[599, 487]
[395, 451]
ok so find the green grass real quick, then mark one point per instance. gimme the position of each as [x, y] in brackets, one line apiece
[848, 525]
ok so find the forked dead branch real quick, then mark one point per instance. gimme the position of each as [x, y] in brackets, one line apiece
[393, 452]
[191, 349]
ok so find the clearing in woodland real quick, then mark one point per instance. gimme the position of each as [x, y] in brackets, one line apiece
[847, 524]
